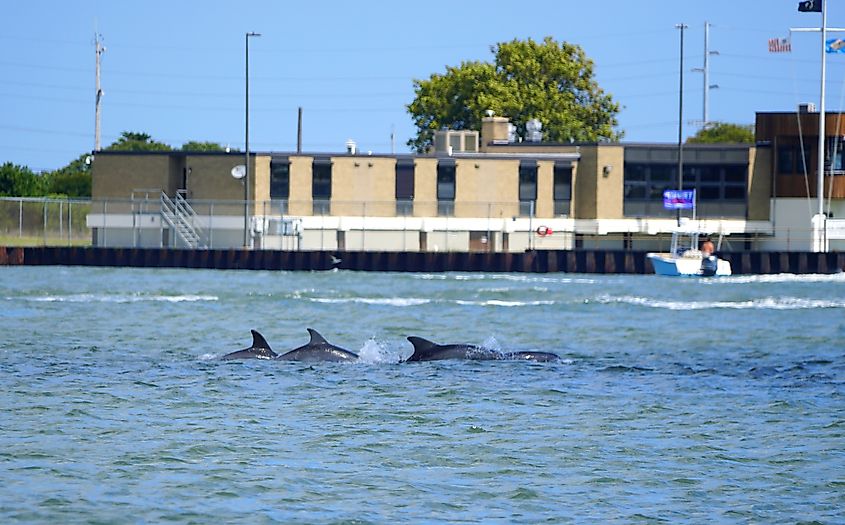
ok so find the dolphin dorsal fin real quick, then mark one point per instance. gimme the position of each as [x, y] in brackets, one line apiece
[258, 341]
[316, 338]
[422, 347]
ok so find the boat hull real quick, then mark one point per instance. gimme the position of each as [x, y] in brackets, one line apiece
[669, 265]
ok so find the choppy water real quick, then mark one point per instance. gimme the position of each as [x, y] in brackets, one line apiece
[678, 401]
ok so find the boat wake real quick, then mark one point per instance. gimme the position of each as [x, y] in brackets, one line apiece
[764, 303]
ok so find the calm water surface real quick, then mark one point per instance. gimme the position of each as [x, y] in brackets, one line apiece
[676, 401]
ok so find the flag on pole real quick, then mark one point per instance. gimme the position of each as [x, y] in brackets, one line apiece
[678, 199]
[834, 45]
[810, 6]
[780, 45]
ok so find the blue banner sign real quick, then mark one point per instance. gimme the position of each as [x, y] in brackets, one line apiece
[678, 199]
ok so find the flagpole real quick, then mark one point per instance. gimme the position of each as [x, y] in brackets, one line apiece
[818, 222]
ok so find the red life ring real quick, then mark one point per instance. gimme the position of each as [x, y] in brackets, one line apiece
[542, 231]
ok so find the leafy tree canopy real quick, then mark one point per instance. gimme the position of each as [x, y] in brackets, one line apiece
[550, 81]
[723, 132]
[194, 145]
[73, 180]
[134, 141]
[19, 181]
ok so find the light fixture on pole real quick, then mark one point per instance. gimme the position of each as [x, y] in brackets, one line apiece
[246, 145]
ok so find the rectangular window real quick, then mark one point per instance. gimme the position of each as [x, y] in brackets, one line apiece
[404, 187]
[834, 152]
[279, 178]
[736, 174]
[562, 188]
[446, 180]
[708, 193]
[280, 182]
[527, 180]
[786, 159]
[321, 185]
[446, 187]
[404, 179]
[734, 192]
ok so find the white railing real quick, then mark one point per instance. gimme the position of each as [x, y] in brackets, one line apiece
[152, 221]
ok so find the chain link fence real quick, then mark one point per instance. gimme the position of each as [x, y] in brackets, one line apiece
[44, 222]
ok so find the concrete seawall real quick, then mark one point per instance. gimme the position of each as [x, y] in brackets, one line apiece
[539, 261]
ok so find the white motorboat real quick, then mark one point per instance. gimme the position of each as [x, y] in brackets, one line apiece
[686, 259]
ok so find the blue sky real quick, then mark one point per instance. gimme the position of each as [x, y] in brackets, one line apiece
[175, 69]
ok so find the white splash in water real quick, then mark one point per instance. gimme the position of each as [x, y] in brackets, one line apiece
[765, 303]
[779, 278]
[383, 301]
[509, 304]
[374, 352]
[127, 298]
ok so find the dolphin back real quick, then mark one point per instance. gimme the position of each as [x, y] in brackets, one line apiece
[260, 349]
[318, 349]
[423, 349]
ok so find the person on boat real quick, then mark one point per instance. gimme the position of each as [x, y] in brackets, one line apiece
[707, 247]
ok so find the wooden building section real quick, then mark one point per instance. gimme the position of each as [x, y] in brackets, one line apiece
[794, 139]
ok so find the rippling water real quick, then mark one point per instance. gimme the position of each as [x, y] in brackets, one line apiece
[676, 400]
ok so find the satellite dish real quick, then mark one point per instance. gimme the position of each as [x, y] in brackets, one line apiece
[239, 171]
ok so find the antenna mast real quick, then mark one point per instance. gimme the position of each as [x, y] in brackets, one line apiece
[99, 49]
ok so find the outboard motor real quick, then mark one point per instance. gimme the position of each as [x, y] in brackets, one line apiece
[709, 265]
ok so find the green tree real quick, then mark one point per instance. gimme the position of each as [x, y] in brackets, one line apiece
[550, 81]
[19, 181]
[73, 180]
[723, 132]
[134, 141]
[194, 145]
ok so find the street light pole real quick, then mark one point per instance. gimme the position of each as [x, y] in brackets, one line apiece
[246, 145]
[681, 120]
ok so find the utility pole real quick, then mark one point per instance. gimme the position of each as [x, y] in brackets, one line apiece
[706, 71]
[681, 118]
[246, 142]
[98, 49]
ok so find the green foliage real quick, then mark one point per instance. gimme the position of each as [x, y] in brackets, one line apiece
[723, 132]
[202, 146]
[134, 141]
[74, 180]
[550, 81]
[19, 181]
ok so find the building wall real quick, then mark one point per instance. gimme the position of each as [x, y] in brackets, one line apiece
[300, 185]
[425, 187]
[360, 179]
[259, 185]
[210, 177]
[486, 188]
[545, 206]
[759, 183]
[610, 181]
[585, 184]
[116, 176]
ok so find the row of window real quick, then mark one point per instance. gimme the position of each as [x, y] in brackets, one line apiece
[321, 185]
[711, 182]
[720, 189]
[791, 160]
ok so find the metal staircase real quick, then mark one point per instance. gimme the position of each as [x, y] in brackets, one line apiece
[183, 220]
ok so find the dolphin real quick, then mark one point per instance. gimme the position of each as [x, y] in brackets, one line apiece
[318, 349]
[260, 349]
[425, 350]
